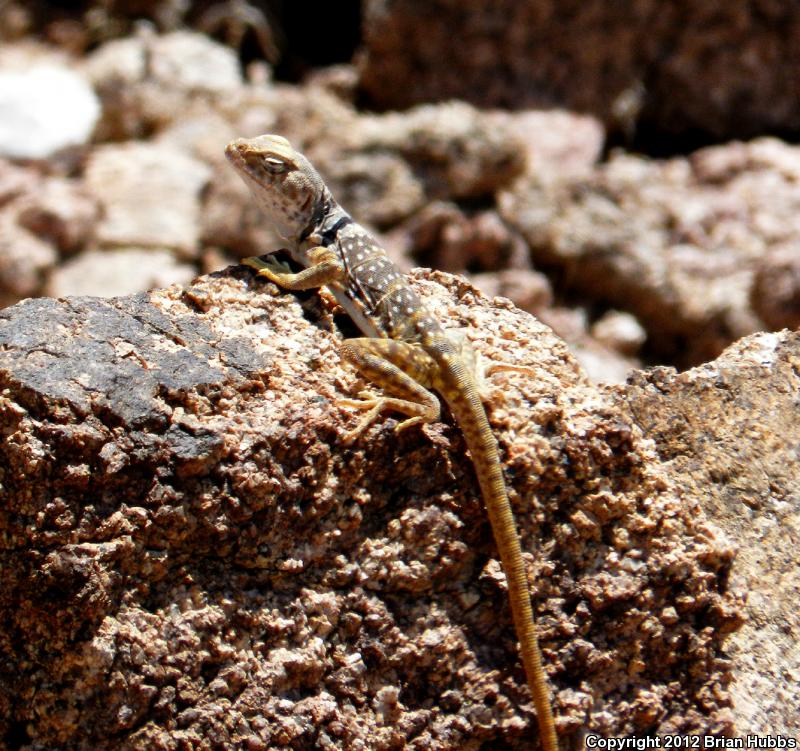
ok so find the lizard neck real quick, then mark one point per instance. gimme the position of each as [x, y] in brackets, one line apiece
[326, 221]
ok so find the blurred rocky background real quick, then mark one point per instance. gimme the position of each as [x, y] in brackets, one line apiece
[614, 169]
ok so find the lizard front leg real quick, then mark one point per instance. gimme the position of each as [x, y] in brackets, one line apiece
[400, 368]
[326, 267]
[377, 359]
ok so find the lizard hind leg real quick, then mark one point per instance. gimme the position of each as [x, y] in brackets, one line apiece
[401, 369]
[480, 368]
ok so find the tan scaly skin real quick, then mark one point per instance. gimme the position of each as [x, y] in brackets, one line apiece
[407, 351]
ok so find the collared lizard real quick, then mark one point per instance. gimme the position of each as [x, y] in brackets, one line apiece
[407, 352]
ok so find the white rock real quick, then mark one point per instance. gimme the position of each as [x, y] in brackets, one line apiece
[193, 62]
[619, 331]
[44, 109]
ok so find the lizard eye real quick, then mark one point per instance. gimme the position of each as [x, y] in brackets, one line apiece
[274, 165]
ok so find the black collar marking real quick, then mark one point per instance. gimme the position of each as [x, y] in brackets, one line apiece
[329, 235]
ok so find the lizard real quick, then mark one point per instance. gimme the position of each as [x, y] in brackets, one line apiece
[405, 351]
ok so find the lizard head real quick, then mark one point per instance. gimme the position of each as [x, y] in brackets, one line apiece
[282, 181]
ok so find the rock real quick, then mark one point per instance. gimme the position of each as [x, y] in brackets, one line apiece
[25, 261]
[445, 237]
[150, 194]
[194, 63]
[380, 189]
[147, 82]
[775, 294]
[38, 216]
[123, 271]
[557, 143]
[677, 244]
[528, 290]
[606, 358]
[603, 362]
[457, 151]
[619, 331]
[16, 181]
[340, 80]
[43, 109]
[729, 432]
[702, 67]
[60, 211]
[192, 550]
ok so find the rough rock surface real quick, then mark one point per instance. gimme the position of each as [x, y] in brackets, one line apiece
[641, 62]
[729, 433]
[190, 552]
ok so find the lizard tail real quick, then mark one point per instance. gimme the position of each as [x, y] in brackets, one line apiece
[467, 408]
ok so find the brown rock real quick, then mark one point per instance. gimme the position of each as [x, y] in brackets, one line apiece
[24, 261]
[24, 258]
[528, 290]
[601, 359]
[557, 143]
[146, 82]
[620, 331]
[603, 364]
[445, 237]
[728, 431]
[632, 64]
[379, 189]
[60, 211]
[775, 294]
[676, 243]
[456, 150]
[192, 552]
[16, 181]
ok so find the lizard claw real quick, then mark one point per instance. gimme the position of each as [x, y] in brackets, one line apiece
[367, 401]
[376, 405]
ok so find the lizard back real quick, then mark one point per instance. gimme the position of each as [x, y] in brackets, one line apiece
[374, 292]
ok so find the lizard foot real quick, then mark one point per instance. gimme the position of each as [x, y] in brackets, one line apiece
[378, 404]
[269, 267]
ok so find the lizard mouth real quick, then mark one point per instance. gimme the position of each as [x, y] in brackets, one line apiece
[234, 151]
